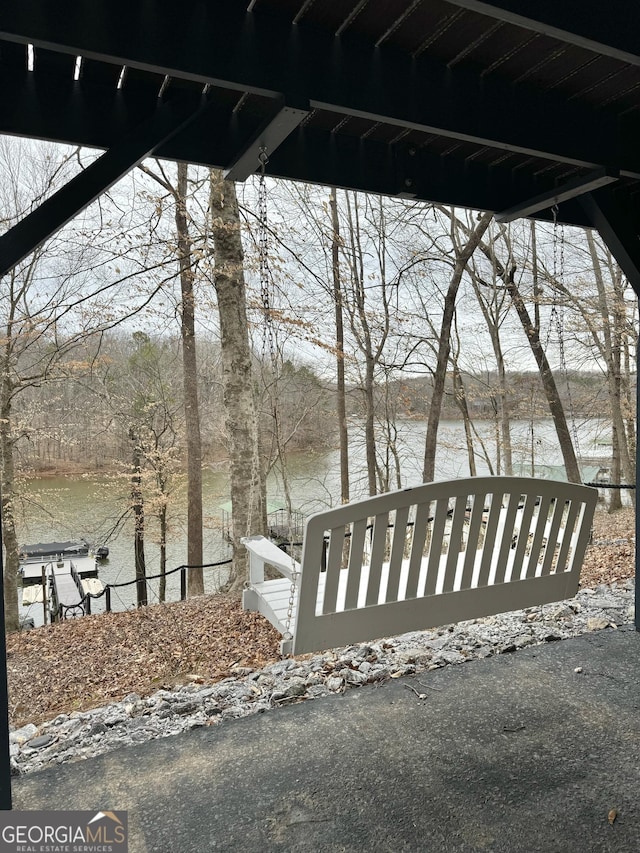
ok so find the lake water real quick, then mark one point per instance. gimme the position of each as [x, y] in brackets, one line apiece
[90, 506]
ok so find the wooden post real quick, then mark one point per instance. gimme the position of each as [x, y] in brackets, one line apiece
[44, 593]
[183, 584]
[107, 596]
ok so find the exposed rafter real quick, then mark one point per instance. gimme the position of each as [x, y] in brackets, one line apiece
[588, 25]
[564, 192]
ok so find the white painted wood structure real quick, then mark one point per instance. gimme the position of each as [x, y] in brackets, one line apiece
[421, 557]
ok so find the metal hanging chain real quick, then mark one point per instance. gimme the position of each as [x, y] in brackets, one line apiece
[553, 317]
[557, 318]
[263, 257]
[269, 338]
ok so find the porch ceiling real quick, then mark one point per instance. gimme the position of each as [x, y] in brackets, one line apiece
[478, 104]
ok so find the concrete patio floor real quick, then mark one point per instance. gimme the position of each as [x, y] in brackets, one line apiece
[514, 753]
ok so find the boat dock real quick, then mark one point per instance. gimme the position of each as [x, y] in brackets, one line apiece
[59, 574]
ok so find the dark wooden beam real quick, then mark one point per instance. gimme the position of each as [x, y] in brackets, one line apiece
[564, 192]
[606, 212]
[402, 171]
[611, 32]
[215, 137]
[267, 55]
[263, 143]
[85, 187]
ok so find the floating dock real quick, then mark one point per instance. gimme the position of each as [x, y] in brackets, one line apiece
[60, 573]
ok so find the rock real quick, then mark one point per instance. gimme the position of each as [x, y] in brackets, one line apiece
[183, 708]
[562, 612]
[292, 688]
[379, 672]
[522, 641]
[451, 656]
[41, 741]
[24, 734]
[438, 643]
[335, 683]
[118, 715]
[419, 656]
[603, 602]
[131, 699]
[355, 677]
[598, 623]
[281, 667]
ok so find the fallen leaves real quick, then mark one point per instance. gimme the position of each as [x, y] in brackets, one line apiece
[84, 663]
[610, 563]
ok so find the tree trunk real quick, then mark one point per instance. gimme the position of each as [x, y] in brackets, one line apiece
[548, 382]
[369, 425]
[505, 420]
[463, 255]
[359, 317]
[137, 502]
[162, 587]
[246, 494]
[10, 540]
[341, 404]
[190, 390]
[532, 333]
[612, 333]
[500, 401]
[461, 401]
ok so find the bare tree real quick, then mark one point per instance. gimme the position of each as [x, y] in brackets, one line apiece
[179, 193]
[246, 476]
[492, 300]
[507, 272]
[463, 253]
[341, 398]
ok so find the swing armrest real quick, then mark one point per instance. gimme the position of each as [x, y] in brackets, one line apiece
[263, 551]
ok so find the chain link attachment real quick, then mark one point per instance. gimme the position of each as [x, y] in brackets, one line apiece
[270, 340]
[287, 635]
[557, 318]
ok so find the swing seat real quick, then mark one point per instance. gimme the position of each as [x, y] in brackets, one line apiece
[423, 557]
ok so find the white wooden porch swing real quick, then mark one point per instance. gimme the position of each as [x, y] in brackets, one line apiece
[420, 557]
